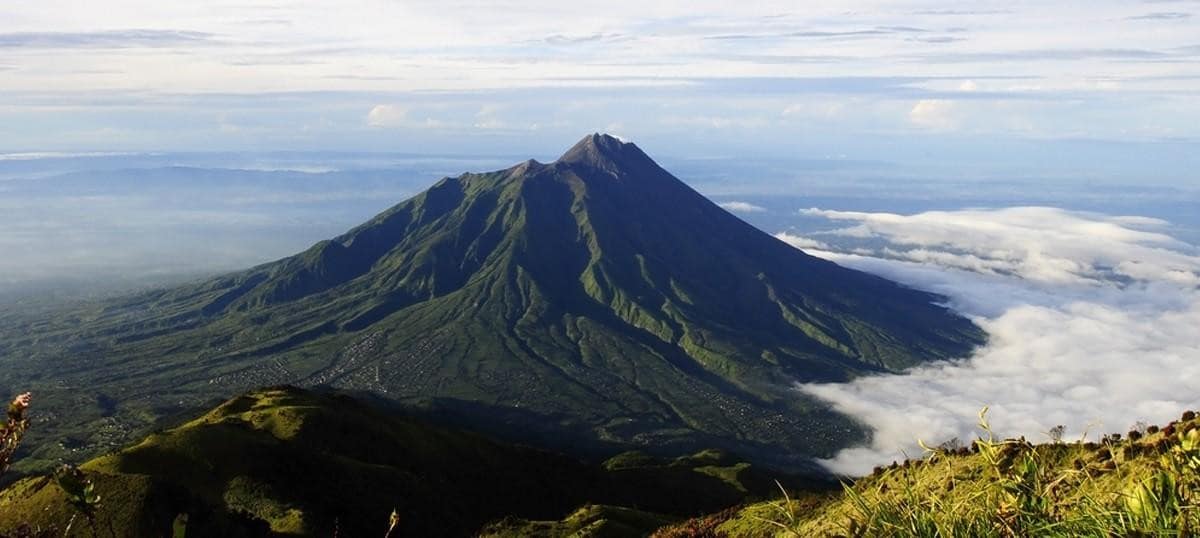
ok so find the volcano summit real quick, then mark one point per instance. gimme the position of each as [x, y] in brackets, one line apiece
[590, 301]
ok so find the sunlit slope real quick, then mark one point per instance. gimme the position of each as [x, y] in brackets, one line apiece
[1145, 483]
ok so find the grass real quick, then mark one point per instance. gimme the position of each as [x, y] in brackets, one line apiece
[596, 521]
[294, 463]
[1143, 484]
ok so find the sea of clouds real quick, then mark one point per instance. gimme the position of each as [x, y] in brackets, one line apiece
[1093, 324]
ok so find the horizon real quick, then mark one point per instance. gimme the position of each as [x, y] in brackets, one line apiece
[993, 87]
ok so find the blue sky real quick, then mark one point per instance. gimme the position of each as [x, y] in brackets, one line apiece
[1093, 86]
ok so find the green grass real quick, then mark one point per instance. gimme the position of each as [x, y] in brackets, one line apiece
[1148, 486]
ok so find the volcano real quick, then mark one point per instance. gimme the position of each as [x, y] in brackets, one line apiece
[592, 301]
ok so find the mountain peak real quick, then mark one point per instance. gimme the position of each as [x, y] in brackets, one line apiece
[591, 302]
[602, 151]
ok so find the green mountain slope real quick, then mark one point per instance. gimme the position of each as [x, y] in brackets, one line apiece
[589, 302]
[286, 461]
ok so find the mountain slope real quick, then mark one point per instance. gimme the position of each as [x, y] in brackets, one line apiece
[594, 300]
[292, 462]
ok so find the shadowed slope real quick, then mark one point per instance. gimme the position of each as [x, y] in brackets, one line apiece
[291, 462]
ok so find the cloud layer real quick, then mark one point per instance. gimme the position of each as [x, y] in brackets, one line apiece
[286, 74]
[1092, 322]
[742, 207]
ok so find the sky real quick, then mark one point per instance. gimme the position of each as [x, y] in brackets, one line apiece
[1102, 85]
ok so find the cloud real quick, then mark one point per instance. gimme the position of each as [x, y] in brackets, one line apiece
[41, 155]
[825, 34]
[742, 207]
[811, 109]
[1030, 243]
[936, 114]
[699, 59]
[487, 118]
[1161, 16]
[1050, 55]
[962, 12]
[1091, 321]
[938, 39]
[387, 116]
[802, 242]
[563, 39]
[716, 122]
[442, 116]
[109, 39]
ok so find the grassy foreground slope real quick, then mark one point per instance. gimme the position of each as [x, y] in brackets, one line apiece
[1146, 483]
[284, 461]
[592, 521]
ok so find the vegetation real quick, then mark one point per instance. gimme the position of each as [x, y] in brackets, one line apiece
[598, 521]
[13, 429]
[78, 488]
[287, 461]
[1143, 484]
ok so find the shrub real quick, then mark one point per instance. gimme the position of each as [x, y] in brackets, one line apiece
[14, 429]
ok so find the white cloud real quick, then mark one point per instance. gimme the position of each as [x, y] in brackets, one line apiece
[1092, 324]
[387, 116]
[34, 156]
[1036, 243]
[487, 118]
[742, 207]
[802, 242]
[936, 114]
[702, 60]
[715, 122]
[815, 110]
